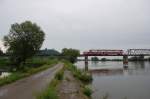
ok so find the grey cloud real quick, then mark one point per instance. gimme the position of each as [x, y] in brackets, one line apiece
[83, 24]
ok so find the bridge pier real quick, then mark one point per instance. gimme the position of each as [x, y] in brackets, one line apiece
[125, 61]
[86, 63]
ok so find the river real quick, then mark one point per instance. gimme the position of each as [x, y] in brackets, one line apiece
[112, 80]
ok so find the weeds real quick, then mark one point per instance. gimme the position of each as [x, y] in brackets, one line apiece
[87, 91]
[59, 75]
[24, 73]
[50, 92]
[81, 75]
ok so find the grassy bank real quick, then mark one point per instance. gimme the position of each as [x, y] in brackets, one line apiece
[83, 78]
[51, 91]
[28, 70]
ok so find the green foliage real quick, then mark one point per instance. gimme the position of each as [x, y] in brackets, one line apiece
[24, 73]
[13, 77]
[39, 61]
[49, 93]
[103, 59]
[59, 75]
[95, 59]
[23, 41]
[4, 63]
[1, 52]
[81, 75]
[70, 54]
[48, 52]
[85, 77]
[87, 91]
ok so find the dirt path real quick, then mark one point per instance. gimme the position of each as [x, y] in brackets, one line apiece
[28, 87]
[69, 88]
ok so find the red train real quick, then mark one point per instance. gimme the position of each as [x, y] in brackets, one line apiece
[103, 52]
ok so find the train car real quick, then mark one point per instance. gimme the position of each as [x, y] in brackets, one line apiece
[104, 52]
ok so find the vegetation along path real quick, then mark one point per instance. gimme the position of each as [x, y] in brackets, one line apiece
[70, 88]
[28, 88]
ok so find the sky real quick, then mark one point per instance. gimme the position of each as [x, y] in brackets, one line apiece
[83, 24]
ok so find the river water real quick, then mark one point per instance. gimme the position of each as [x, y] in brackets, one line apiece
[112, 80]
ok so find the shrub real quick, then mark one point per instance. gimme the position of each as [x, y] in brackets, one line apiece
[13, 77]
[87, 91]
[59, 75]
[49, 93]
[81, 75]
[85, 77]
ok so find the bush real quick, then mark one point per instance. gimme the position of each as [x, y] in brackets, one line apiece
[81, 75]
[13, 77]
[85, 77]
[49, 93]
[87, 91]
[24, 73]
[59, 75]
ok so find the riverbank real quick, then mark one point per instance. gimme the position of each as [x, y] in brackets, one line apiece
[110, 78]
[27, 88]
[70, 88]
[14, 76]
[69, 83]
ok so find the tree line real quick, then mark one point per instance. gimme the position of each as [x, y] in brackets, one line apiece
[24, 41]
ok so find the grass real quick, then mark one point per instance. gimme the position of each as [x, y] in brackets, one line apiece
[50, 92]
[59, 75]
[87, 91]
[4, 63]
[25, 72]
[81, 75]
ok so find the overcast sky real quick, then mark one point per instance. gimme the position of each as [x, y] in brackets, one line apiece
[83, 24]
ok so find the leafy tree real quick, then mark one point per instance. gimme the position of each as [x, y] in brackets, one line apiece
[1, 52]
[70, 54]
[23, 41]
[95, 59]
[48, 52]
[103, 59]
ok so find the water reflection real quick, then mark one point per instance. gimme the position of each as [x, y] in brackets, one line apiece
[117, 81]
[115, 68]
[107, 72]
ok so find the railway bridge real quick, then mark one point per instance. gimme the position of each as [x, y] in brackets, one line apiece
[118, 52]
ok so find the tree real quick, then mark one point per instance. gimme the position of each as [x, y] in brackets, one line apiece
[103, 59]
[1, 52]
[70, 54]
[48, 52]
[23, 41]
[95, 59]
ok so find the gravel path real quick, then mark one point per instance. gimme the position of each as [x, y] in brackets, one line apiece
[69, 88]
[28, 88]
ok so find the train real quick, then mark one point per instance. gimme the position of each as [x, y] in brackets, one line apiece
[103, 52]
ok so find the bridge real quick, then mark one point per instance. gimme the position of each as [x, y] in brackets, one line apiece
[109, 52]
